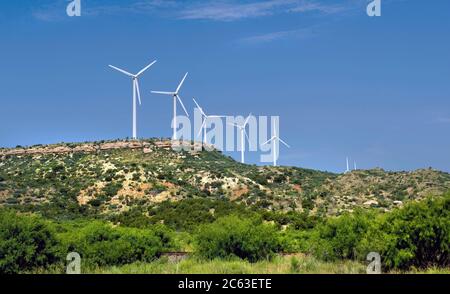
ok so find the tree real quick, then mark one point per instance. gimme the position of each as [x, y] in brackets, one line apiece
[25, 242]
[418, 235]
[232, 236]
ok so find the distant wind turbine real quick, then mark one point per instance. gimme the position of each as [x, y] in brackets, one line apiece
[243, 133]
[136, 91]
[176, 97]
[205, 117]
[274, 140]
[354, 165]
[348, 167]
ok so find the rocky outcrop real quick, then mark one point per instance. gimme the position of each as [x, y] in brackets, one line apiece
[94, 147]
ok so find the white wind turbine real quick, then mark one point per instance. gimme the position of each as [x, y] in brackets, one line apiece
[205, 117]
[243, 133]
[136, 91]
[274, 140]
[348, 167]
[175, 98]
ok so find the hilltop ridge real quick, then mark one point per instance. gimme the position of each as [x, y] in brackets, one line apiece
[110, 177]
[89, 147]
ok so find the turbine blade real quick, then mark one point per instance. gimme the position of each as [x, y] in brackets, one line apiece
[268, 141]
[182, 105]
[145, 68]
[201, 129]
[163, 93]
[234, 125]
[285, 144]
[138, 91]
[246, 121]
[121, 70]
[181, 84]
[198, 106]
[216, 116]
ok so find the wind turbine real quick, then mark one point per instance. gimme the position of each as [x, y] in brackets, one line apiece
[348, 167]
[354, 165]
[274, 145]
[205, 117]
[136, 91]
[243, 132]
[175, 98]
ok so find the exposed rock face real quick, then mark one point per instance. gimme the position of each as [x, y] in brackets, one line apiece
[94, 147]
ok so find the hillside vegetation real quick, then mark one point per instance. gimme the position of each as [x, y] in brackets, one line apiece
[113, 177]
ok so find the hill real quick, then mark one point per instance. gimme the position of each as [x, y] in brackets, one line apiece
[109, 177]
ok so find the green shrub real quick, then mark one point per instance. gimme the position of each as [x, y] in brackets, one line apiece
[340, 237]
[232, 236]
[415, 236]
[25, 242]
[187, 214]
[418, 235]
[102, 244]
[111, 189]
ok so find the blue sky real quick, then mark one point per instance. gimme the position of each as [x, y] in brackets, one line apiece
[344, 84]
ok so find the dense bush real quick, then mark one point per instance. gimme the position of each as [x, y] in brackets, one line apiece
[189, 213]
[340, 237]
[25, 242]
[232, 236]
[418, 235]
[102, 244]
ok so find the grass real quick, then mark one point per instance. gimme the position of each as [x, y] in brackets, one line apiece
[295, 264]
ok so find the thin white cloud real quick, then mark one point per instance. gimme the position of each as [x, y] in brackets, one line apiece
[139, 7]
[50, 12]
[223, 10]
[57, 10]
[232, 10]
[229, 11]
[46, 15]
[315, 6]
[279, 35]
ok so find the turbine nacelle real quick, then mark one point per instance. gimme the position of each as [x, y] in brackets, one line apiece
[243, 133]
[175, 94]
[273, 140]
[176, 97]
[205, 116]
[276, 138]
[244, 125]
[134, 76]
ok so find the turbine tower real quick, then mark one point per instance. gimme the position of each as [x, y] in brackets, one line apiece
[348, 167]
[176, 97]
[205, 117]
[274, 140]
[136, 92]
[241, 128]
